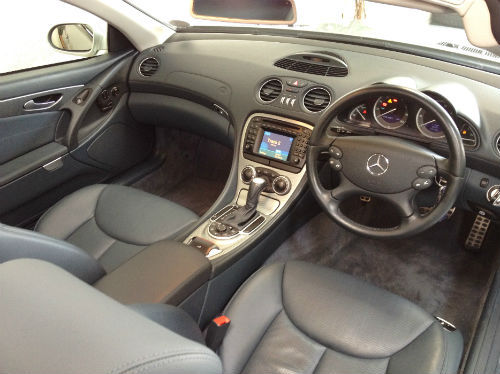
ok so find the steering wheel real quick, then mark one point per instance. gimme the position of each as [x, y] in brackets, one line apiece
[385, 167]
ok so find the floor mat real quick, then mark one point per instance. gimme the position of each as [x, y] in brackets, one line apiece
[430, 269]
[194, 172]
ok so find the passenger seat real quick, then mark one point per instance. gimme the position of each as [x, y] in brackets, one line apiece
[112, 223]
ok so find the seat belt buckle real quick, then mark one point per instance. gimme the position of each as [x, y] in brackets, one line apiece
[216, 332]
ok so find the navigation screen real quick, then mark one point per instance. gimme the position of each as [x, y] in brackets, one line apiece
[275, 145]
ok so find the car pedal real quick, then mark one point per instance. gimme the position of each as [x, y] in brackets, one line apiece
[477, 232]
[424, 210]
[365, 199]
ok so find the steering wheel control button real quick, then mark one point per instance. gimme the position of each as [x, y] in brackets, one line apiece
[427, 172]
[493, 195]
[377, 164]
[421, 183]
[335, 164]
[335, 152]
[281, 185]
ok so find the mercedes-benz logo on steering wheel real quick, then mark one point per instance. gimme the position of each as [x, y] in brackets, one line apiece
[377, 164]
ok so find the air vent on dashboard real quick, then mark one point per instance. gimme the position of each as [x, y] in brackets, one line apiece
[497, 144]
[317, 99]
[270, 90]
[148, 66]
[328, 65]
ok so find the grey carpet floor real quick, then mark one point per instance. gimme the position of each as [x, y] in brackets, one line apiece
[430, 269]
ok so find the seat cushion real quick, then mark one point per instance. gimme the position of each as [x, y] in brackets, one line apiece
[113, 223]
[304, 318]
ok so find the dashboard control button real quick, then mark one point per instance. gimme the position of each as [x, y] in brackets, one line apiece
[421, 183]
[293, 90]
[248, 146]
[484, 182]
[296, 160]
[296, 83]
[493, 195]
[247, 174]
[281, 185]
[335, 152]
[427, 172]
[335, 164]
[221, 227]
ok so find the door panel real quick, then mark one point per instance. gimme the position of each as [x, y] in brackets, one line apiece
[59, 132]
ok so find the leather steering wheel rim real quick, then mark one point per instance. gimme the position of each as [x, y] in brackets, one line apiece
[453, 168]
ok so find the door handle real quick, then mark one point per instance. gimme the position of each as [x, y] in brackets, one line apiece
[44, 102]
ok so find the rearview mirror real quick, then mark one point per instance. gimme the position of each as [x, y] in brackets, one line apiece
[271, 12]
[73, 38]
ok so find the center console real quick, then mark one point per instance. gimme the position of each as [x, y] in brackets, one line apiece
[271, 165]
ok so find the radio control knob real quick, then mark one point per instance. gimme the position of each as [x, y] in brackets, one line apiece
[248, 173]
[281, 185]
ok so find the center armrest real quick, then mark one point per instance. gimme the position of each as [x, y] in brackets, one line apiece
[164, 272]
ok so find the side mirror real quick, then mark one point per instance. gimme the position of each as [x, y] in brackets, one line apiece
[75, 39]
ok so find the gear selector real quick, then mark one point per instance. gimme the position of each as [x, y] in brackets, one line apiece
[240, 217]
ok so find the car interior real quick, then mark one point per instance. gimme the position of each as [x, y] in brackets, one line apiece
[212, 199]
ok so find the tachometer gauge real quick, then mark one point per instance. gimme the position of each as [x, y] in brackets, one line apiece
[390, 112]
[428, 125]
[359, 114]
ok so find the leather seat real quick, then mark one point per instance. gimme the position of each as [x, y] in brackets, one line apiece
[287, 318]
[303, 318]
[113, 223]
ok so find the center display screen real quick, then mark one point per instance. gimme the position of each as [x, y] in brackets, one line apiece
[276, 146]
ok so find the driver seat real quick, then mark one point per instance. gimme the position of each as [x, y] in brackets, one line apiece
[303, 318]
[287, 318]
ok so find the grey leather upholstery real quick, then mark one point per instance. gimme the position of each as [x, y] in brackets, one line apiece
[52, 323]
[113, 223]
[303, 318]
[165, 272]
[173, 318]
[20, 243]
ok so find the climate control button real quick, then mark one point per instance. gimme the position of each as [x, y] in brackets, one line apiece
[248, 173]
[281, 185]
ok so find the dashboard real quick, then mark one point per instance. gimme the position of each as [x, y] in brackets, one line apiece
[299, 79]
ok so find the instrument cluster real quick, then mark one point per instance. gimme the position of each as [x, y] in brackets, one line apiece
[409, 119]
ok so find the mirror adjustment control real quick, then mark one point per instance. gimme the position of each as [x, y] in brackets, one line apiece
[281, 185]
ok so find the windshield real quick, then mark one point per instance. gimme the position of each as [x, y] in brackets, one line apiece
[440, 31]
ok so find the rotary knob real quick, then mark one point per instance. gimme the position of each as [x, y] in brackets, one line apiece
[281, 185]
[248, 173]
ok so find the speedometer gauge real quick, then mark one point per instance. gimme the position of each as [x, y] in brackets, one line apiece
[390, 112]
[428, 125]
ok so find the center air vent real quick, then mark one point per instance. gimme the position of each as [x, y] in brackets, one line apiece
[326, 64]
[317, 99]
[270, 90]
[148, 67]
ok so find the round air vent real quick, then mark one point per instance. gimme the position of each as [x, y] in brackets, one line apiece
[270, 90]
[148, 66]
[317, 99]
[497, 144]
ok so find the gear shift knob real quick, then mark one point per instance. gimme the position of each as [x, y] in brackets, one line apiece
[257, 185]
